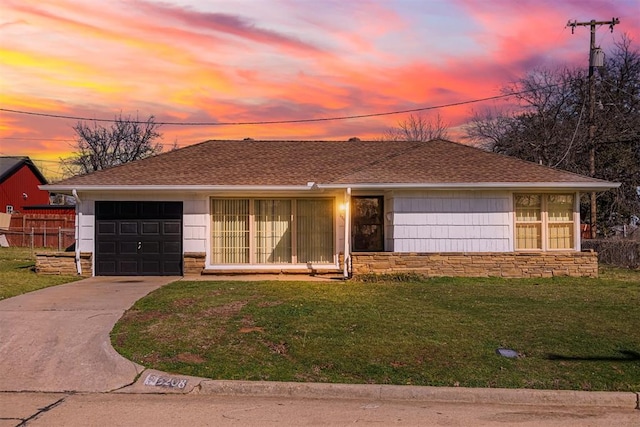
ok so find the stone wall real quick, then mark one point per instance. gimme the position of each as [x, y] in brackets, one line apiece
[544, 264]
[194, 263]
[63, 263]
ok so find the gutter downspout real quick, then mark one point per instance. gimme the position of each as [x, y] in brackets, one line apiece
[77, 230]
[347, 232]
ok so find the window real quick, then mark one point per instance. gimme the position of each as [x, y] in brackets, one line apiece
[560, 220]
[272, 231]
[315, 230]
[544, 221]
[368, 223]
[230, 231]
[272, 238]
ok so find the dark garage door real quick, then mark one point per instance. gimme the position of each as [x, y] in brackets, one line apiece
[138, 238]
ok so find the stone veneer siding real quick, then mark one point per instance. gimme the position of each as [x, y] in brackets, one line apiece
[194, 263]
[63, 263]
[543, 264]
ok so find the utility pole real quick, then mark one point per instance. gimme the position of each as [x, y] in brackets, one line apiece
[596, 59]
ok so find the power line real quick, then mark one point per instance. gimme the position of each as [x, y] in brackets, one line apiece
[273, 122]
[20, 138]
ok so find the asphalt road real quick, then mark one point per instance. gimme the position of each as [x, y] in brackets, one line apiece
[112, 409]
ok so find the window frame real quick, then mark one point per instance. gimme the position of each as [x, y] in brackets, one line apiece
[545, 222]
[357, 222]
[252, 232]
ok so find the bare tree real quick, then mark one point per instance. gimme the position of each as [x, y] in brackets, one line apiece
[99, 147]
[551, 126]
[417, 128]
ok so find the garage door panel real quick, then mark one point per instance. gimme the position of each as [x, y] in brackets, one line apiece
[152, 228]
[172, 268]
[107, 228]
[172, 228]
[171, 248]
[106, 267]
[128, 268]
[139, 238]
[128, 210]
[151, 248]
[106, 248]
[173, 211]
[150, 267]
[128, 248]
[128, 227]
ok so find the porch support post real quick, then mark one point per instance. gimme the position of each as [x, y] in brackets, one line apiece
[77, 231]
[347, 232]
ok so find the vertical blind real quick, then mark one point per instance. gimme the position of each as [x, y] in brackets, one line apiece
[315, 230]
[273, 231]
[230, 231]
[263, 231]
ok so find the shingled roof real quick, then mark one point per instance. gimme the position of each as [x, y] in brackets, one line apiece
[327, 164]
[11, 164]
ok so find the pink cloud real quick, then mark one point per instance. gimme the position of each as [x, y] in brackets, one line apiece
[225, 23]
[297, 60]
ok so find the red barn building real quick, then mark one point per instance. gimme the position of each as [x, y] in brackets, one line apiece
[19, 181]
[34, 221]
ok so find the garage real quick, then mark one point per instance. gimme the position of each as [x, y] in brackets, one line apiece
[138, 238]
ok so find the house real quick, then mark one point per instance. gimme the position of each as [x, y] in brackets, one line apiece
[19, 181]
[33, 220]
[350, 207]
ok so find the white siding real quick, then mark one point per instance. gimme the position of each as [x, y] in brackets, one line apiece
[451, 221]
[195, 224]
[195, 217]
[86, 222]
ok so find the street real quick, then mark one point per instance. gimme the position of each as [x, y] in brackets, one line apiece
[118, 409]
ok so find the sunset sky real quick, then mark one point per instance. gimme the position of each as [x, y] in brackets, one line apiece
[236, 61]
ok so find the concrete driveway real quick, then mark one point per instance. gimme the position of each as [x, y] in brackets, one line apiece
[57, 339]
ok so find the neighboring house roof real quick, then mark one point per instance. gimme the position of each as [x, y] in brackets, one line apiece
[11, 164]
[329, 164]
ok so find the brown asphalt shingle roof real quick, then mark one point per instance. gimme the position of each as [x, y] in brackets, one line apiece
[283, 163]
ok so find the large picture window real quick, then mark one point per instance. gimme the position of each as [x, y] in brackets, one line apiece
[544, 221]
[272, 231]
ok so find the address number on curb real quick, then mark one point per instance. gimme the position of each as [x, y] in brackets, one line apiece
[158, 381]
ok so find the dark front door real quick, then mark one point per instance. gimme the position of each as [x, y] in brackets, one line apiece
[367, 224]
[138, 238]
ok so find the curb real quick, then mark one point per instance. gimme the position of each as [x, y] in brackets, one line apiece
[422, 393]
[148, 383]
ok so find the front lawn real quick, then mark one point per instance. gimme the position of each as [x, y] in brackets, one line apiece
[18, 276]
[570, 333]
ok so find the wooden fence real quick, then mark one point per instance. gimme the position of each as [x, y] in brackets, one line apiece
[40, 230]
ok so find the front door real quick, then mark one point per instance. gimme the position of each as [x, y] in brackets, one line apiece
[367, 224]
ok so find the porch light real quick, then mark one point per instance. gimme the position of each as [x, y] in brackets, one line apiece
[342, 208]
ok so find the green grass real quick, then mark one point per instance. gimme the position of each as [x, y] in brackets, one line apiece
[17, 275]
[581, 334]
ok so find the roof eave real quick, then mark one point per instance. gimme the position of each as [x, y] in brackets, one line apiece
[191, 188]
[582, 186]
[573, 186]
